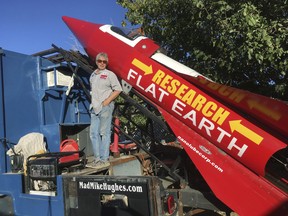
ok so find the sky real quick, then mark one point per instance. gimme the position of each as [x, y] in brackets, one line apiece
[31, 26]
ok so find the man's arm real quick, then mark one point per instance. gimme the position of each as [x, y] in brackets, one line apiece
[112, 96]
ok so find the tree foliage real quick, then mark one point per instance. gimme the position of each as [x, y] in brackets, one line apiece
[239, 43]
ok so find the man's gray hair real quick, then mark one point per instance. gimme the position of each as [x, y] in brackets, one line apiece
[102, 54]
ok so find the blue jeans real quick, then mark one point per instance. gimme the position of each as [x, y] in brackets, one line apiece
[100, 132]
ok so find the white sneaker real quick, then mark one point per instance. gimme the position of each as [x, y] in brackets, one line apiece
[94, 164]
[103, 164]
[99, 164]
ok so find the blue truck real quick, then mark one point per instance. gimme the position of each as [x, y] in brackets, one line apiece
[44, 146]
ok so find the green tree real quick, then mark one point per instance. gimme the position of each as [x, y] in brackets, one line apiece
[239, 43]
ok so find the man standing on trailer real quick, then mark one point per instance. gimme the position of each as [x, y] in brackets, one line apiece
[105, 88]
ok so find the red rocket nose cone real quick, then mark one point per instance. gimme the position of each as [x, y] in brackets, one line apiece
[81, 29]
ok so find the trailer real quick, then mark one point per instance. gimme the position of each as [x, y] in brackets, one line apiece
[42, 112]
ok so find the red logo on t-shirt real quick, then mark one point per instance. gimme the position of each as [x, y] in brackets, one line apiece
[103, 76]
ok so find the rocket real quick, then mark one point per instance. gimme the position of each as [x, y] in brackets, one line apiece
[233, 136]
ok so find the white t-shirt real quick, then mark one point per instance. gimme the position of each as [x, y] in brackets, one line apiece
[102, 85]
